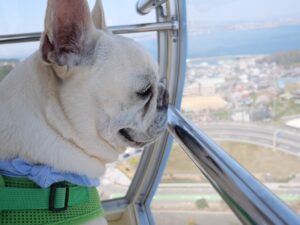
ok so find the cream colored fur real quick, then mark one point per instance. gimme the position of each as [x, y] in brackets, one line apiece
[66, 111]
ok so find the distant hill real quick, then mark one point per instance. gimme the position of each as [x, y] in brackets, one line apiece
[287, 59]
[9, 60]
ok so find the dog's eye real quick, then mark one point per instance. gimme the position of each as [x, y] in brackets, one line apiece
[145, 92]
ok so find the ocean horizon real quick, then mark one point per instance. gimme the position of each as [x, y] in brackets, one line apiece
[242, 42]
[216, 44]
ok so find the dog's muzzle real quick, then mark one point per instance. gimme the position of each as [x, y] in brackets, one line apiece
[158, 125]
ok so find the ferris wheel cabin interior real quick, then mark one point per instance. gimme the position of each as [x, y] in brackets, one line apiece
[231, 153]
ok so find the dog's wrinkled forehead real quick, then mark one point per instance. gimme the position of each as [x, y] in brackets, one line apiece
[115, 48]
[122, 60]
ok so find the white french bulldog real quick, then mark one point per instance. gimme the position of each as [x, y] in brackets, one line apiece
[85, 96]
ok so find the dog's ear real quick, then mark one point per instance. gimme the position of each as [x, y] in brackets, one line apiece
[67, 26]
[98, 15]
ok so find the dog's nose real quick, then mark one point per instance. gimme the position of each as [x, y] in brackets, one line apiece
[163, 98]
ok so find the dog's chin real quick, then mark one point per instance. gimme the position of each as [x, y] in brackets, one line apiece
[138, 144]
[137, 139]
[130, 140]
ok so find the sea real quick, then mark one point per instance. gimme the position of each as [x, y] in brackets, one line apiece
[239, 42]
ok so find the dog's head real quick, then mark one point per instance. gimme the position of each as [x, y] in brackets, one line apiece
[108, 84]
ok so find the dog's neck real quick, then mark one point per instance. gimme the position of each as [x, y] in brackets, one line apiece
[35, 127]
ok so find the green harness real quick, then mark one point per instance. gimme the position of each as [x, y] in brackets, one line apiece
[22, 202]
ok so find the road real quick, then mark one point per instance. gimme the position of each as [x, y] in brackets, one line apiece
[267, 136]
[190, 192]
[194, 217]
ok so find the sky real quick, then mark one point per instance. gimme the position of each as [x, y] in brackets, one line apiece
[242, 10]
[22, 16]
[19, 16]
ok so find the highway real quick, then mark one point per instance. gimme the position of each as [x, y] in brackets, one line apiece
[267, 136]
[170, 195]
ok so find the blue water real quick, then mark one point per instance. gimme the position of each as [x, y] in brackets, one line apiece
[245, 42]
[261, 41]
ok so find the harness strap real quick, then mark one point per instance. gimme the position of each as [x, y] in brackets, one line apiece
[36, 198]
[22, 202]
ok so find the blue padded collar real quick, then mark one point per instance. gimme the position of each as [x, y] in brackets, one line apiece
[42, 175]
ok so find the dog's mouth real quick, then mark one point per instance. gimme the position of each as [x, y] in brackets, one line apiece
[125, 133]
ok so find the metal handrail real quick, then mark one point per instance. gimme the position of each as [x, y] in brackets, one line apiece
[126, 29]
[172, 60]
[250, 200]
[145, 6]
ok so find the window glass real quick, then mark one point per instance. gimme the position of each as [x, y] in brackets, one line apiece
[184, 196]
[242, 85]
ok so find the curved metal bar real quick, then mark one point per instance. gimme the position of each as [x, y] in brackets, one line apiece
[135, 28]
[172, 59]
[146, 27]
[19, 38]
[251, 201]
[145, 6]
